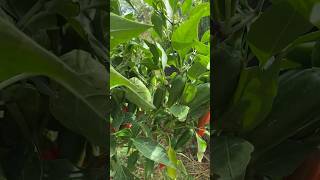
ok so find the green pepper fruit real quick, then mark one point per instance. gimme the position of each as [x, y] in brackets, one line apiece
[202, 97]
[132, 107]
[159, 97]
[184, 139]
[176, 89]
[188, 94]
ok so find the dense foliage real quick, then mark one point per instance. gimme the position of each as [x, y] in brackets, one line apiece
[160, 64]
[53, 86]
[266, 84]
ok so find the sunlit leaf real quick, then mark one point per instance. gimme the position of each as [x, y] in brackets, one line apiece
[137, 93]
[179, 111]
[152, 150]
[202, 146]
[122, 30]
[185, 35]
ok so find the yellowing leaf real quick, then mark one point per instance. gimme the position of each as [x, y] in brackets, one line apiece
[172, 173]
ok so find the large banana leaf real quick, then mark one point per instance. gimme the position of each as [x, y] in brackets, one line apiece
[22, 58]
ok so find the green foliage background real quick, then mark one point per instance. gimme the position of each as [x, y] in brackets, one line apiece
[53, 89]
[160, 64]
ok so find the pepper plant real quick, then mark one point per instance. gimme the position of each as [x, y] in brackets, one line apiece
[266, 84]
[160, 73]
[53, 88]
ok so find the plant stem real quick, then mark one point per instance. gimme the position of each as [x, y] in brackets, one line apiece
[228, 10]
[35, 8]
[216, 10]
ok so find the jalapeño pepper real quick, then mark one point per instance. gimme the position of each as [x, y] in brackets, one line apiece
[184, 139]
[159, 96]
[176, 89]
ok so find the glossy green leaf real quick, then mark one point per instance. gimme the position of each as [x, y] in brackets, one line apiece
[200, 66]
[205, 37]
[275, 29]
[202, 97]
[155, 53]
[189, 93]
[185, 35]
[157, 24]
[115, 7]
[137, 93]
[174, 5]
[140, 95]
[256, 90]
[231, 156]
[179, 111]
[290, 112]
[152, 150]
[122, 30]
[186, 6]
[123, 133]
[164, 57]
[202, 48]
[202, 146]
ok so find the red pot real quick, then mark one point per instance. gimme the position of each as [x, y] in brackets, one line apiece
[309, 169]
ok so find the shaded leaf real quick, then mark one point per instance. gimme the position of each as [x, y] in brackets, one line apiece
[132, 160]
[313, 36]
[64, 8]
[254, 96]
[231, 156]
[32, 60]
[282, 160]
[315, 57]
[275, 29]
